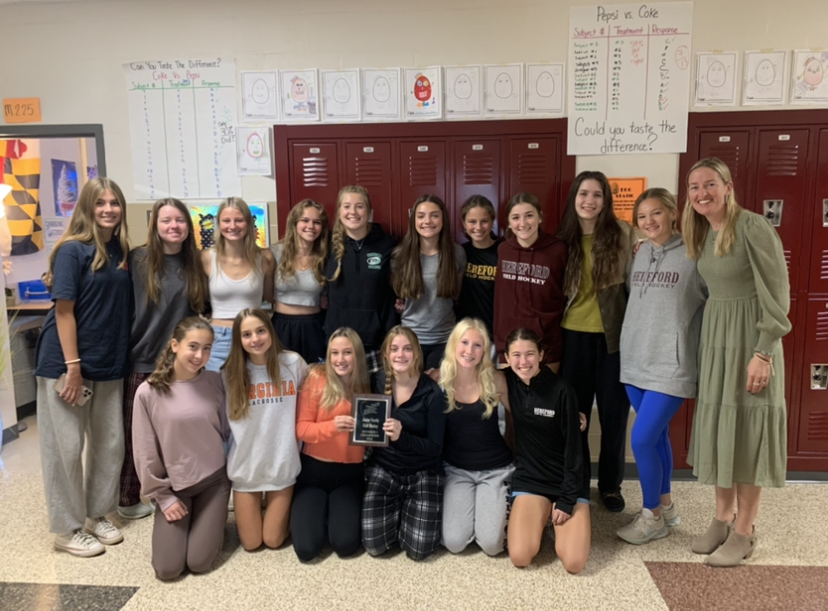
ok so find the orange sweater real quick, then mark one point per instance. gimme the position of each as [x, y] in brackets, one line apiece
[315, 425]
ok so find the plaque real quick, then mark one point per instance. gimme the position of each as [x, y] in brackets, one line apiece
[370, 412]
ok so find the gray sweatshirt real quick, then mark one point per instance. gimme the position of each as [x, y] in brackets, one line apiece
[660, 335]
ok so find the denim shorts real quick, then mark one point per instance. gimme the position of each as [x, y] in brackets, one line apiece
[222, 337]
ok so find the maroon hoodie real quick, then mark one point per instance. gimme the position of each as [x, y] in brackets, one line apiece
[529, 292]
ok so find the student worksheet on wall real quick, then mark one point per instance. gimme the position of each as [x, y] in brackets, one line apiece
[182, 116]
[629, 78]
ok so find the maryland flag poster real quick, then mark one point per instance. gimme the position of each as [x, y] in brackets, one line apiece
[20, 160]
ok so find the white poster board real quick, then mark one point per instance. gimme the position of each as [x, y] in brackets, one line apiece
[381, 94]
[716, 79]
[423, 93]
[765, 76]
[260, 96]
[503, 90]
[628, 87]
[342, 95]
[183, 119]
[545, 90]
[464, 91]
[809, 78]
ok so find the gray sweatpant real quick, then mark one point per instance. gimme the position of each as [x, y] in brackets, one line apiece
[475, 505]
[75, 491]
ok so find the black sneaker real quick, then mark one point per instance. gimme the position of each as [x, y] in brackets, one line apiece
[613, 501]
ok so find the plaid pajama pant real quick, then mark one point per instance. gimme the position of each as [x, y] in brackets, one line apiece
[130, 485]
[404, 510]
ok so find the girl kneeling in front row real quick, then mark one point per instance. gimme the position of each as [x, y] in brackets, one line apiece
[548, 458]
[179, 429]
[262, 382]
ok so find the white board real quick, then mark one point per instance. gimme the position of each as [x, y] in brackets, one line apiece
[629, 68]
[182, 117]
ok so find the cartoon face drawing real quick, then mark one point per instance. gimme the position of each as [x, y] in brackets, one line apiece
[765, 73]
[341, 91]
[255, 146]
[503, 85]
[716, 74]
[545, 85]
[814, 72]
[422, 88]
[299, 89]
[259, 92]
[463, 86]
[381, 90]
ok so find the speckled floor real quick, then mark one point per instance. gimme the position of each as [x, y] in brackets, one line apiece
[789, 569]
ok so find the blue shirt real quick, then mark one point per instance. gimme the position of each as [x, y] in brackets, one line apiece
[102, 312]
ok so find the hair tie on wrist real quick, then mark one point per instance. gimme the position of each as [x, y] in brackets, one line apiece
[73, 361]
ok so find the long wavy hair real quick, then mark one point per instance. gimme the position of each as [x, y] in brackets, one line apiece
[416, 363]
[607, 242]
[250, 250]
[485, 370]
[237, 373]
[83, 228]
[290, 243]
[335, 391]
[694, 226]
[162, 377]
[523, 198]
[192, 269]
[408, 274]
[338, 233]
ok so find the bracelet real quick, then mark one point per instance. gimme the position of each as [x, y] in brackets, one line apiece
[763, 357]
[72, 361]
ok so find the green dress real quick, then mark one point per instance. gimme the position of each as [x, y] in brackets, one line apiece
[738, 437]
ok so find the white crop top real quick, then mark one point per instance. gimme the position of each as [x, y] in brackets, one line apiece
[301, 289]
[229, 297]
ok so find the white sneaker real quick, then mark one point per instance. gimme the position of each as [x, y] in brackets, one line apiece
[103, 530]
[135, 512]
[644, 528]
[79, 543]
[671, 515]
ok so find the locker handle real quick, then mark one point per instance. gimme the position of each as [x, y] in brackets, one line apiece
[825, 212]
[819, 377]
[772, 210]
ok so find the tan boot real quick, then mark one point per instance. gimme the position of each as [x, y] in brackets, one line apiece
[708, 542]
[731, 553]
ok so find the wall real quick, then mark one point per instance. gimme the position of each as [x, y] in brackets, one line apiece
[70, 54]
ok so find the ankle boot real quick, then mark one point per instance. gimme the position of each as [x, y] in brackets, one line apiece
[731, 553]
[708, 542]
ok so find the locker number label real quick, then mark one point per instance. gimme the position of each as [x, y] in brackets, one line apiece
[422, 149]
[477, 147]
[533, 145]
[784, 137]
[367, 149]
[315, 151]
[724, 138]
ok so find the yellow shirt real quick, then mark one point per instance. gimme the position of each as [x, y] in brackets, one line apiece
[584, 314]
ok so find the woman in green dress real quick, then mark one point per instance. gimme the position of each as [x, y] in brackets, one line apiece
[739, 433]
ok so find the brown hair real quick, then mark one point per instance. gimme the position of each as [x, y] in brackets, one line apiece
[694, 226]
[416, 364]
[290, 243]
[523, 334]
[162, 378]
[523, 198]
[338, 233]
[479, 201]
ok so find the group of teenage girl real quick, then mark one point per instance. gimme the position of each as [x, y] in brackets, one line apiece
[488, 433]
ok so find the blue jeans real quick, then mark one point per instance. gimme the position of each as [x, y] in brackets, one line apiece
[651, 441]
[221, 347]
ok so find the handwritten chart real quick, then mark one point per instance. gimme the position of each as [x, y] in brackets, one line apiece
[182, 115]
[629, 78]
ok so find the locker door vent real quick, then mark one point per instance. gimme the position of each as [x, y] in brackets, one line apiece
[422, 171]
[823, 266]
[787, 254]
[821, 327]
[532, 169]
[315, 171]
[730, 155]
[368, 171]
[477, 169]
[818, 426]
[783, 160]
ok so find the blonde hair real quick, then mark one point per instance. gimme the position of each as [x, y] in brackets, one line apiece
[335, 390]
[290, 243]
[338, 233]
[83, 228]
[416, 364]
[250, 250]
[164, 373]
[485, 369]
[664, 197]
[238, 375]
[694, 226]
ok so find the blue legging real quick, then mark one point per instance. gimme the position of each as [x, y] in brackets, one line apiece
[651, 441]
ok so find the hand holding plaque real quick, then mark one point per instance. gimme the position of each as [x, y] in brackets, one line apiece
[370, 413]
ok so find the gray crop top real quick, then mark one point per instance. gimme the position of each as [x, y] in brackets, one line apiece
[301, 289]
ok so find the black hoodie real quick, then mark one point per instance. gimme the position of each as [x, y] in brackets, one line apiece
[362, 297]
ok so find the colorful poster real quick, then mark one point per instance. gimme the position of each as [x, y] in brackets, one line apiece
[624, 193]
[254, 151]
[300, 91]
[65, 185]
[205, 221]
[423, 93]
[809, 84]
[21, 171]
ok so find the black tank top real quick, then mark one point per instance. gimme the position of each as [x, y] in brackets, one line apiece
[472, 442]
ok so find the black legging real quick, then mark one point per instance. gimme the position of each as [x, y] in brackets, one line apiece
[327, 504]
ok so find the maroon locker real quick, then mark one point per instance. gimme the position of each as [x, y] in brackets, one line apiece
[370, 165]
[732, 147]
[819, 219]
[789, 351]
[315, 174]
[422, 171]
[534, 168]
[813, 413]
[780, 193]
[476, 172]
